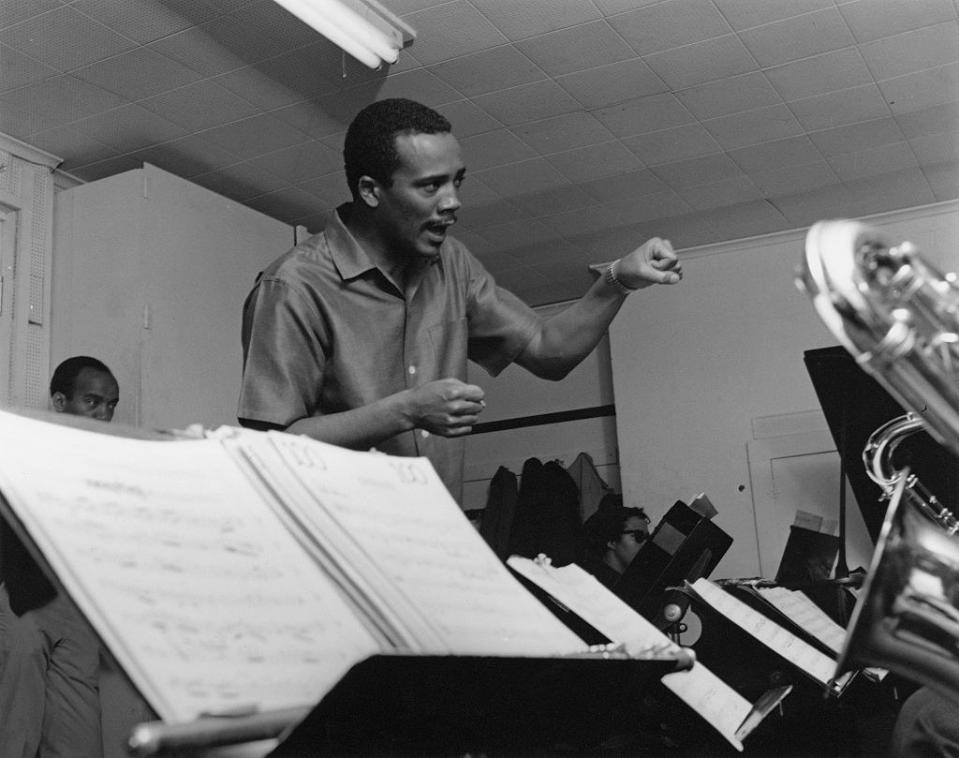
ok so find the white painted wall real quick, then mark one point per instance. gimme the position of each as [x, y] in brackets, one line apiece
[697, 366]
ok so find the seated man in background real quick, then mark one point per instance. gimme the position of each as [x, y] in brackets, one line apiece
[613, 536]
[49, 656]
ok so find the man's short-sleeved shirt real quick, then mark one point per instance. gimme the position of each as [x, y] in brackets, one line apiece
[324, 331]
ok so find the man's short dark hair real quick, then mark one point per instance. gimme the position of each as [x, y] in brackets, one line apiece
[64, 379]
[606, 524]
[370, 146]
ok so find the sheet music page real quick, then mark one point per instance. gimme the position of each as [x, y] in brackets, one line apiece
[804, 612]
[798, 652]
[399, 513]
[203, 597]
[718, 703]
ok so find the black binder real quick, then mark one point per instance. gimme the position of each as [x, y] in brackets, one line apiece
[685, 546]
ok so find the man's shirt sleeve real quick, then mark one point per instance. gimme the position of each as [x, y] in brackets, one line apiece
[283, 355]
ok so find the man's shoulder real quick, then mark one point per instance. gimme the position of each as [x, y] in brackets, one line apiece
[303, 260]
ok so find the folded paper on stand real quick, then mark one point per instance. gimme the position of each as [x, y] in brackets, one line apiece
[728, 712]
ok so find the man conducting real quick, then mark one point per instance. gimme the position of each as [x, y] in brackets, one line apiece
[49, 656]
[360, 335]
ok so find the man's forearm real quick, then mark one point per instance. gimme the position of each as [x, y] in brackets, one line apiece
[360, 428]
[569, 336]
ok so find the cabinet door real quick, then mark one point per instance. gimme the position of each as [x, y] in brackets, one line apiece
[150, 276]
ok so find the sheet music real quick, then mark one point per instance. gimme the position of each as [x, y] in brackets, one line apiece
[206, 601]
[795, 650]
[399, 513]
[718, 703]
[804, 612]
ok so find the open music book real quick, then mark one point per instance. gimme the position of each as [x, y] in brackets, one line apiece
[249, 571]
[728, 712]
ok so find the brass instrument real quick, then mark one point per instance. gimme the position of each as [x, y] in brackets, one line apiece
[898, 316]
[877, 458]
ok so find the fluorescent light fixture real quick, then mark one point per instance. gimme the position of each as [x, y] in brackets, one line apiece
[363, 28]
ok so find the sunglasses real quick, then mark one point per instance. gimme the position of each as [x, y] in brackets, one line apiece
[640, 535]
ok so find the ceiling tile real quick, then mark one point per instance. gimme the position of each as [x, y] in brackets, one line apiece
[254, 136]
[298, 163]
[14, 11]
[671, 145]
[137, 73]
[706, 170]
[739, 189]
[594, 161]
[745, 14]
[931, 120]
[582, 47]
[145, 21]
[775, 182]
[479, 217]
[669, 24]
[286, 204]
[129, 128]
[607, 85]
[913, 51]
[936, 148]
[519, 233]
[198, 50]
[475, 192]
[451, 30]
[751, 127]
[524, 177]
[943, 178]
[308, 117]
[847, 106]
[53, 102]
[794, 151]
[922, 89]
[254, 85]
[330, 188]
[624, 185]
[468, 118]
[819, 74]
[702, 62]
[187, 156]
[553, 199]
[570, 130]
[725, 96]
[873, 19]
[109, 167]
[645, 114]
[494, 69]
[17, 69]
[240, 181]
[494, 148]
[889, 192]
[71, 140]
[420, 85]
[531, 17]
[528, 102]
[749, 220]
[64, 39]
[874, 161]
[847, 139]
[802, 209]
[316, 69]
[200, 105]
[798, 37]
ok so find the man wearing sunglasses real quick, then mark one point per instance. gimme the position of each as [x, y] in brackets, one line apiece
[613, 536]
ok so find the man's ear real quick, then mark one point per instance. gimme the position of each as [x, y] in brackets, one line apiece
[368, 190]
[59, 401]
